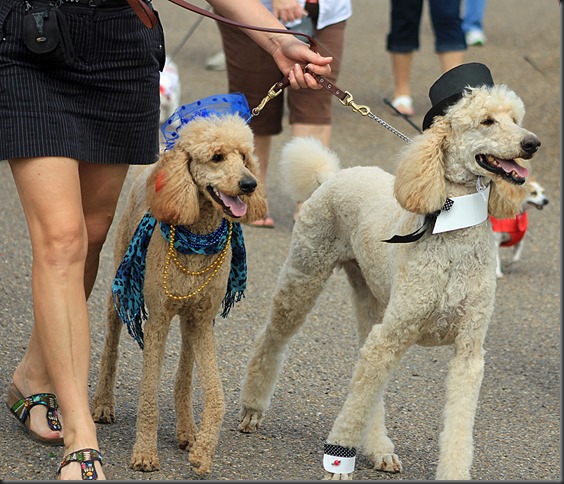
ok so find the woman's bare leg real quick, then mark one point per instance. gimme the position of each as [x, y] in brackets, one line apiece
[58, 355]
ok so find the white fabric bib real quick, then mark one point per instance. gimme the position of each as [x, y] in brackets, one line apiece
[466, 211]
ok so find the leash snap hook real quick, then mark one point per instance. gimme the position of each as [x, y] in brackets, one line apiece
[357, 108]
[272, 93]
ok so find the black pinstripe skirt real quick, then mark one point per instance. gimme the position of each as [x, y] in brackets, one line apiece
[103, 108]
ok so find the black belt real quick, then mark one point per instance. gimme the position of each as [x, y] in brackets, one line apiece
[98, 3]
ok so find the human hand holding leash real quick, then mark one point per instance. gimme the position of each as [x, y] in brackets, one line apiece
[292, 56]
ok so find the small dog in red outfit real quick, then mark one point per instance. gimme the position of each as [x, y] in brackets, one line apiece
[511, 231]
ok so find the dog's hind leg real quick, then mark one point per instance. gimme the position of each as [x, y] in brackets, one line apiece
[186, 428]
[104, 403]
[464, 379]
[299, 284]
[145, 456]
[203, 343]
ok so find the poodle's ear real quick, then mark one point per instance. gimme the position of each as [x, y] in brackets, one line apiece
[172, 194]
[257, 207]
[506, 200]
[420, 177]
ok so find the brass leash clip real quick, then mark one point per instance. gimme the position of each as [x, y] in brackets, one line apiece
[272, 93]
[357, 108]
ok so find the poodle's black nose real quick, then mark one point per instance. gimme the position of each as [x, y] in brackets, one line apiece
[248, 185]
[530, 144]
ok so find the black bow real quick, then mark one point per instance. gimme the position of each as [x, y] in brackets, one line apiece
[429, 220]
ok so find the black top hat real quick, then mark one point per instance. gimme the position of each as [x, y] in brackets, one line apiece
[448, 88]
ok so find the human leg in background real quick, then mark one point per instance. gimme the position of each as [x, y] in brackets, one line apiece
[449, 60]
[262, 152]
[401, 42]
[449, 37]
[401, 70]
[311, 111]
[58, 355]
[472, 21]
[252, 71]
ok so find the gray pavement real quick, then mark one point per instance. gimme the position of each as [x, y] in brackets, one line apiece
[517, 431]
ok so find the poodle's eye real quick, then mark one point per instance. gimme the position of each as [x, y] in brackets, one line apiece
[244, 156]
[487, 122]
[217, 157]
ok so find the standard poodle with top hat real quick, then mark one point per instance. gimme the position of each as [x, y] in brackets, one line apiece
[419, 254]
[179, 251]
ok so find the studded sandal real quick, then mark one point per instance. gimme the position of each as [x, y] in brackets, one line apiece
[86, 458]
[20, 406]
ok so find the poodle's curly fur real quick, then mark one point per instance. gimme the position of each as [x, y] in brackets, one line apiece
[438, 290]
[212, 155]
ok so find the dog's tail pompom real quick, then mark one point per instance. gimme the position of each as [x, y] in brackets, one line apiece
[305, 163]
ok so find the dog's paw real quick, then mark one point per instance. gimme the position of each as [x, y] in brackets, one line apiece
[200, 461]
[386, 463]
[186, 439]
[103, 413]
[329, 476]
[144, 461]
[499, 274]
[250, 420]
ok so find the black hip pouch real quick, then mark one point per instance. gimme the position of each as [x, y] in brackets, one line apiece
[46, 35]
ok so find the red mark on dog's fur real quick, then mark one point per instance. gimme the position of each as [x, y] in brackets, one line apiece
[159, 183]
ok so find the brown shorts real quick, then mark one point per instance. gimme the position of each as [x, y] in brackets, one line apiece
[252, 71]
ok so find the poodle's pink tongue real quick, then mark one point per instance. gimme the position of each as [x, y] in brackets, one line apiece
[509, 166]
[237, 207]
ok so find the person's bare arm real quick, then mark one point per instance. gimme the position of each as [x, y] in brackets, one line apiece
[290, 54]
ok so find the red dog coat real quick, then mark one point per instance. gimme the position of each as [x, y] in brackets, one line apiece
[514, 227]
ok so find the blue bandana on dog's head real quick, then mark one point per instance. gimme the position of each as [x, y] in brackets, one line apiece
[233, 103]
[127, 287]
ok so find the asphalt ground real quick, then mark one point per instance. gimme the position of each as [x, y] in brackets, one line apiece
[517, 430]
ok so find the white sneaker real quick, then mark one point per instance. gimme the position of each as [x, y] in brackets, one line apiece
[475, 37]
[216, 62]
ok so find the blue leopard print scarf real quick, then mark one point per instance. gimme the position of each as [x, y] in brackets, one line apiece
[127, 287]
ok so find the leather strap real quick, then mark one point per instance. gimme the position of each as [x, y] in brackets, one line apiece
[144, 12]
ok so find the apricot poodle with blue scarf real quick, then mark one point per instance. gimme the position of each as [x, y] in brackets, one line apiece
[179, 250]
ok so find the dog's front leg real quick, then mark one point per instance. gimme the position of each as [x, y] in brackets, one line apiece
[186, 428]
[103, 403]
[378, 447]
[203, 343]
[145, 456]
[497, 241]
[464, 379]
[518, 250]
[379, 355]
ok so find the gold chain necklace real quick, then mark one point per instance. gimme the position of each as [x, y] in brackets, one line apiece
[215, 265]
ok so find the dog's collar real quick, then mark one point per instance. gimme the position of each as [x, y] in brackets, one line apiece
[457, 213]
[466, 211]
